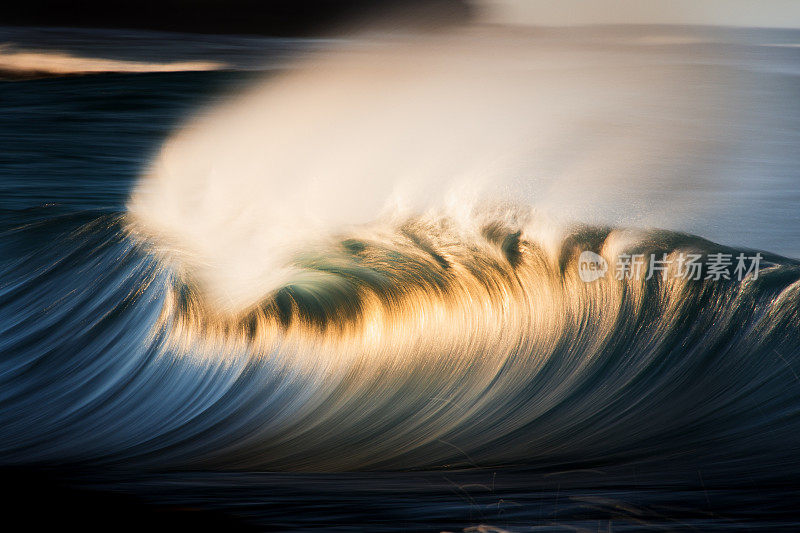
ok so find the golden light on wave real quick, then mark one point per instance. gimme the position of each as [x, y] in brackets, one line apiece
[372, 133]
[39, 62]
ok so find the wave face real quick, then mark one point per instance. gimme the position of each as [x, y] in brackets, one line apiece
[407, 346]
[344, 269]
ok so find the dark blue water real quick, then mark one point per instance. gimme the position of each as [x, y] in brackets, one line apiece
[79, 143]
[691, 424]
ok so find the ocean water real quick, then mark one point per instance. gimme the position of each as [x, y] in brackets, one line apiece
[340, 290]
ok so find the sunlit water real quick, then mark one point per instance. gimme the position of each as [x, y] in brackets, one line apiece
[369, 264]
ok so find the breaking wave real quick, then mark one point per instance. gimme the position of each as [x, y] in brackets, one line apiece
[407, 346]
[266, 302]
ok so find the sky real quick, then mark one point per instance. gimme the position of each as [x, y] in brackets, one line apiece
[764, 13]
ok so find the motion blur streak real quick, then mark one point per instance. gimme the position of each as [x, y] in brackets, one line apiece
[401, 347]
[29, 63]
[367, 264]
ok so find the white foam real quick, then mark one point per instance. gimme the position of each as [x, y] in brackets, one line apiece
[387, 128]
